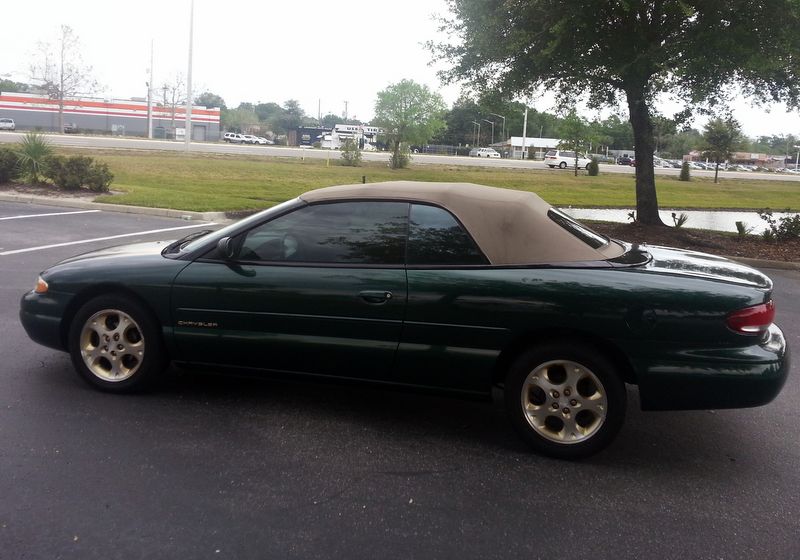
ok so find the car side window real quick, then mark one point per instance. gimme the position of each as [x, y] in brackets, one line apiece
[435, 237]
[372, 233]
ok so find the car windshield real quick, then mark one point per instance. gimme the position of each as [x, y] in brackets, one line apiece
[585, 234]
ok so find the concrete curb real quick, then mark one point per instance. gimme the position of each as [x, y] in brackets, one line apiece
[220, 217]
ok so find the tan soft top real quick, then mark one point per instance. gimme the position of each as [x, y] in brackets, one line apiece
[511, 227]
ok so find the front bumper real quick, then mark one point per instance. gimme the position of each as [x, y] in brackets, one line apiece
[727, 378]
[40, 316]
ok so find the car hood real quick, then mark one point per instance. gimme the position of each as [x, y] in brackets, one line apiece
[668, 260]
[134, 249]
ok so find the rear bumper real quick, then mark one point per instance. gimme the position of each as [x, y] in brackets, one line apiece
[733, 378]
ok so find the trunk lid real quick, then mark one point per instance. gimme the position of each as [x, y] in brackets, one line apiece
[682, 262]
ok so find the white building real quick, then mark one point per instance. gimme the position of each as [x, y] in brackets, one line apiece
[534, 146]
[364, 135]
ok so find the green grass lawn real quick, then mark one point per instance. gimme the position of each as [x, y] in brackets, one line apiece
[204, 182]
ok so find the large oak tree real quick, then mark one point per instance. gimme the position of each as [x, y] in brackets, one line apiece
[628, 50]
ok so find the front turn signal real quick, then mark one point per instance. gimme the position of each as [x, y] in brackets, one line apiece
[41, 286]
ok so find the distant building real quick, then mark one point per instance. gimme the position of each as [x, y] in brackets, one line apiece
[108, 116]
[366, 136]
[535, 147]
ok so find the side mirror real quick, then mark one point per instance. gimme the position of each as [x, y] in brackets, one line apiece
[226, 248]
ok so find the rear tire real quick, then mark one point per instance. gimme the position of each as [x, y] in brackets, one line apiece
[562, 165]
[115, 344]
[566, 401]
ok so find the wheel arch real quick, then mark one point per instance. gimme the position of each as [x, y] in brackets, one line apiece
[542, 337]
[97, 290]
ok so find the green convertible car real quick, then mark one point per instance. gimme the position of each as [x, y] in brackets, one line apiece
[454, 287]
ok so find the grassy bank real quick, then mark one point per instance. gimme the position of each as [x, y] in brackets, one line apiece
[216, 182]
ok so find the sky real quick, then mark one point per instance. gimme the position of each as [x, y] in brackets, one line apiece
[330, 56]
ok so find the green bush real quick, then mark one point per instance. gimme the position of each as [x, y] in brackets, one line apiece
[781, 229]
[351, 155]
[9, 165]
[593, 169]
[33, 151]
[685, 176]
[400, 157]
[76, 172]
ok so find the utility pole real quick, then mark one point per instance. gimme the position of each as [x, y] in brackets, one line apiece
[345, 111]
[478, 138]
[188, 130]
[150, 96]
[524, 132]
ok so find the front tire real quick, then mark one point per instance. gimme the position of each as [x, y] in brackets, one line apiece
[566, 401]
[115, 344]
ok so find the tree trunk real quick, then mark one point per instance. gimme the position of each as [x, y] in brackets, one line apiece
[646, 199]
[396, 154]
[716, 173]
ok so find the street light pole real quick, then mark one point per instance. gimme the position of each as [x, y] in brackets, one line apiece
[492, 123]
[504, 124]
[478, 141]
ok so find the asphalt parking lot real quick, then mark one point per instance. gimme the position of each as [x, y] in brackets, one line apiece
[220, 467]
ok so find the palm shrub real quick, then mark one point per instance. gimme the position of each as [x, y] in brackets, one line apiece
[685, 172]
[32, 154]
[9, 166]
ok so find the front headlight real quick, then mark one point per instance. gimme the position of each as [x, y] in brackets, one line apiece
[41, 286]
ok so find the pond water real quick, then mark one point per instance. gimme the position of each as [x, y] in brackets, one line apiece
[699, 219]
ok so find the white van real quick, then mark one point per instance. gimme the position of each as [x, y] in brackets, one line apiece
[484, 152]
[564, 159]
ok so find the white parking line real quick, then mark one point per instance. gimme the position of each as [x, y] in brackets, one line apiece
[43, 247]
[48, 214]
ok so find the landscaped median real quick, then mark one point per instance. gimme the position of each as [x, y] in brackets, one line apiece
[226, 183]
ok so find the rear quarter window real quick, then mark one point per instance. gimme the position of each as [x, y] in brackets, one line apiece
[582, 232]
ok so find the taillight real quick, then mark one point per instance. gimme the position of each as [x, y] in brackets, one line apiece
[752, 320]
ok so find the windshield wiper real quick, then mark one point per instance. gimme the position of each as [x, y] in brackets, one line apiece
[176, 246]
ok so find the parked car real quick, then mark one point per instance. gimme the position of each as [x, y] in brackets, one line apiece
[624, 160]
[233, 137]
[7, 124]
[449, 287]
[70, 128]
[564, 159]
[484, 152]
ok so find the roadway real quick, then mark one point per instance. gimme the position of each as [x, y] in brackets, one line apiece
[109, 142]
[216, 467]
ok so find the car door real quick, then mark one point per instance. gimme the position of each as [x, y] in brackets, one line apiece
[319, 290]
[448, 339]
